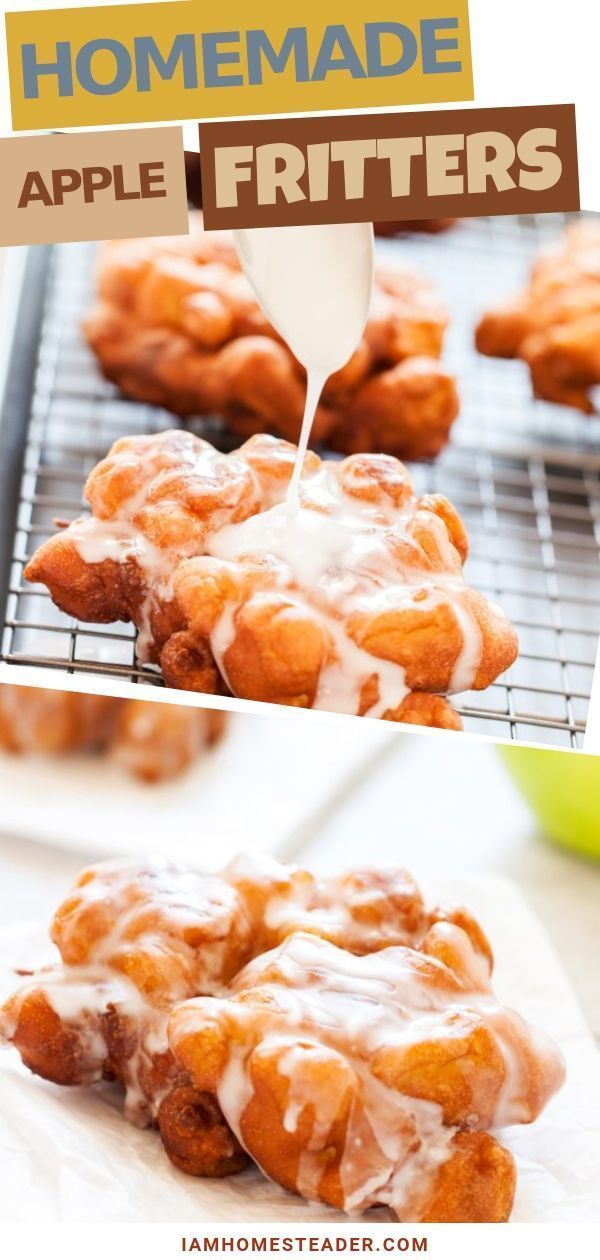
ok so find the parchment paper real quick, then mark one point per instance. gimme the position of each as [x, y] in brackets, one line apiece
[68, 1154]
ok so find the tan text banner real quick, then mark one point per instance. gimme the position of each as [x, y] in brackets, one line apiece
[88, 187]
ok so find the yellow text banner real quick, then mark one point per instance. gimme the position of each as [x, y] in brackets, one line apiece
[155, 62]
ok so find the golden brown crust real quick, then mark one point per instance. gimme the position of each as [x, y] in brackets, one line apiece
[195, 1135]
[176, 325]
[134, 939]
[103, 1043]
[108, 591]
[48, 1045]
[419, 709]
[554, 324]
[477, 1184]
[164, 492]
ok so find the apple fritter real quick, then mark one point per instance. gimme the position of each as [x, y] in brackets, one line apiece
[373, 1081]
[338, 1032]
[152, 741]
[176, 324]
[355, 602]
[554, 323]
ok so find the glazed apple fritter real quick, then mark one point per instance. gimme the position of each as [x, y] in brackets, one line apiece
[370, 1081]
[337, 1032]
[137, 937]
[355, 603]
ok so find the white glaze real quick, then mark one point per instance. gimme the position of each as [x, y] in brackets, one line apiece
[335, 551]
[314, 284]
[326, 1006]
[174, 900]
[336, 555]
[120, 537]
[467, 664]
[261, 895]
[82, 997]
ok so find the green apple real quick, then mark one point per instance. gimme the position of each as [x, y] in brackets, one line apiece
[563, 789]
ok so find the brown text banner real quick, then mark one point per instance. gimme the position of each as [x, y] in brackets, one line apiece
[383, 167]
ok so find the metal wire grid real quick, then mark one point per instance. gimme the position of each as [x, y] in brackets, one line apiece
[525, 477]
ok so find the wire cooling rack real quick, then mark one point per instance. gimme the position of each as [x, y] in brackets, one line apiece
[524, 475]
